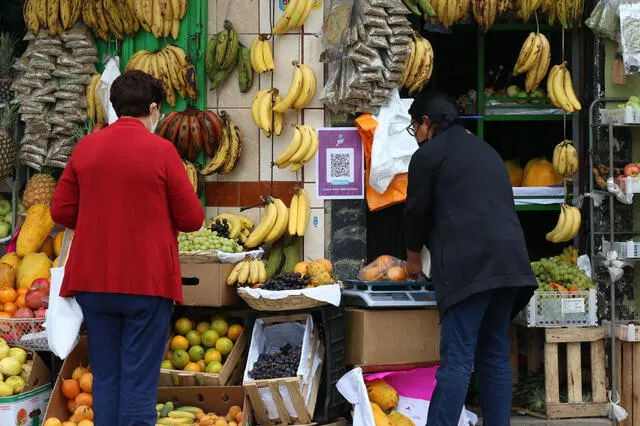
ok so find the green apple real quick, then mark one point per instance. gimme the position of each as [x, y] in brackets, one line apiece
[513, 90]
[5, 229]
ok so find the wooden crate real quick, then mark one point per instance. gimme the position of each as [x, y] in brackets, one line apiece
[294, 385]
[628, 379]
[572, 339]
[531, 339]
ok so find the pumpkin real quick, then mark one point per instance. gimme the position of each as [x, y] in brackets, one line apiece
[539, 172]
[32, 267]
[515, 172]
[7, 275]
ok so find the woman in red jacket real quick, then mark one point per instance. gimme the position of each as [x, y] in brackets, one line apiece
[126, 195]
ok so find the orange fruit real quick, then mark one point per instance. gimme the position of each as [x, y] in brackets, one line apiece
[71, 405]
[327, 264]
[224, 345]
[239, 417]
[7, 294]
[79, 372]
[52, 422]
[183, 326]
[234, 332]
[85, 423]
[231, 416]
[179, 342]
[70, 388]
[21, 301]
[5, 315]
[193, 367]
[201, 364]
[301, 268]
[10, 307]
[84, 398]
[22, 291]
[86, 382]
[83, 413]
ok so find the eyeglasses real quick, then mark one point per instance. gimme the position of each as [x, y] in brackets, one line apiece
[411, 129]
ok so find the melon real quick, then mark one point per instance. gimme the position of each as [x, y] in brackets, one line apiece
[515, 172]
[539, 172]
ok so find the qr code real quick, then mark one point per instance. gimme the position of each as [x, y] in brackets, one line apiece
[340, 166]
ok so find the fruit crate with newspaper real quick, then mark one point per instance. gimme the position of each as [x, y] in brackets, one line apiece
[25, 332]
[560, 309]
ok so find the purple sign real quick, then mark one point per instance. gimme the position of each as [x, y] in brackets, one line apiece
[340, 164]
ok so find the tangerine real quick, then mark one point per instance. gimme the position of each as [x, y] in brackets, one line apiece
[71, 405]
[70, 388]
[21, 300]
[224, 345]
[234, 332]
[83, 413]
[193, 367]
[22, 291]
[7, 294]
[5, 315]
[301, 268]
[179, 342]
[183, 326]
[86, 382]
[10, 307]
[84, 398]
[79, 372]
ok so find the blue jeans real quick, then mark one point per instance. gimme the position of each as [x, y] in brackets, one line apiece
[476, 329]
[127, 336]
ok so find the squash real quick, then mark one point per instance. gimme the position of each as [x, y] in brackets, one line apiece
[7, 275]
[32, 267]
[11, 259]
[379, 416]
[381, 393]
[515, 172]
[37, 226]
[539, 172]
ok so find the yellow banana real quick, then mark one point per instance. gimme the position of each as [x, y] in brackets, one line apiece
[243, 274]
[304, 212]
[525, 53]
[305, 144]
[266, 224]
[293, 214]
[286, 21]
[313, 148]
[558, 90]
[280, 227]
[278, 117]
[262, 272]
[254, 270]
[255, 107]
[305, 12]
[256, 56]
[308, 90]
[293, 147]
[265, 112]
[267, 55]
[568, 90]
[551, 236]
[294, 90]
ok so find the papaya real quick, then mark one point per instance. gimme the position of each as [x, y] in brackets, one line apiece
[36, 228]
[381, 393]
[32, 267]
[400, 419]
[11, 259]
[7, 275]
[515, 172]
[540, 172]
[47, 248]
[379, 416]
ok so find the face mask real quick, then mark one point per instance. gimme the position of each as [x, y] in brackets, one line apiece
[154, 125]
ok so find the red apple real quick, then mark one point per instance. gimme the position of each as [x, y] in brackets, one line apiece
[41, 283]
[23, 313]
[34, 298]
[41, 313]
[631, 169]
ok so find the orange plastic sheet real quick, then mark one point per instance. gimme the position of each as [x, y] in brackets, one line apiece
[396, 192]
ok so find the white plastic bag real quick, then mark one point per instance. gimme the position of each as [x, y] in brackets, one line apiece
[393, 146]
[111, 72]
[426, 262]
[64, 316]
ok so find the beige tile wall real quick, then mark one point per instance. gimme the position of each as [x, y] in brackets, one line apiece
[251, 17]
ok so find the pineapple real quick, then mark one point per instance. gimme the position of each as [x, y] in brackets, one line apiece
[8, 116]
[7, 51]
[39, 190]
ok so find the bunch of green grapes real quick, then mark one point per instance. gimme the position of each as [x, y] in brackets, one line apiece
[206, 240]
[554, 270]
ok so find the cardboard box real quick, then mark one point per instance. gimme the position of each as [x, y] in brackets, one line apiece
[58, 403]
[391, 337]
[205, 284]
[28, 407]
[216, 400]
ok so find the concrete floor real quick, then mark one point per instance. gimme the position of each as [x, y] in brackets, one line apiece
[532, 421]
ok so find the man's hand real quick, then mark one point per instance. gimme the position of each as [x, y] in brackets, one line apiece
[414, 264]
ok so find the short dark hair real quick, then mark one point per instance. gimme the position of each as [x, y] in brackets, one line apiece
[133, 91]
[438, 106]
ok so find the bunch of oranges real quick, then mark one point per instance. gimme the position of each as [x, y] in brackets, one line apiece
[77, 390]
[11, 300]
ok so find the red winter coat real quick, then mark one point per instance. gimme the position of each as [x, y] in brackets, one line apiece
[126, 195]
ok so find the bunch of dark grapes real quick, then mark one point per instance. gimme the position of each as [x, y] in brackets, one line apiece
[287, 281]
[220, 227]
[278, 365]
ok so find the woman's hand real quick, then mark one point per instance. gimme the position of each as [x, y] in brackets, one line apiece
[414, 264]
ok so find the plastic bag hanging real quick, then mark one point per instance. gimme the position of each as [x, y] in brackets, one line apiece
[614, 189]
[596, 196]
[616, 412]
[614, 266]
[111, 72]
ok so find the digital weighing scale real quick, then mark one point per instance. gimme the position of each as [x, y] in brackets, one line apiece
[388, 294]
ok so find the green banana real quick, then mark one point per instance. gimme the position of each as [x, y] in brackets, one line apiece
[426, 7]
[291, 255]
[275, 259]
[210, 56]
[412, 6]
[190, 409]
[222, 46]
[166, 409]
[231, 55]
[182, 415]
[219, 77]
[245, 70]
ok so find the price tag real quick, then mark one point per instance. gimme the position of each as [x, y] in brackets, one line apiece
[573, 306]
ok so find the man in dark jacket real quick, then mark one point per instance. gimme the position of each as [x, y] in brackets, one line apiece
[460, 206]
